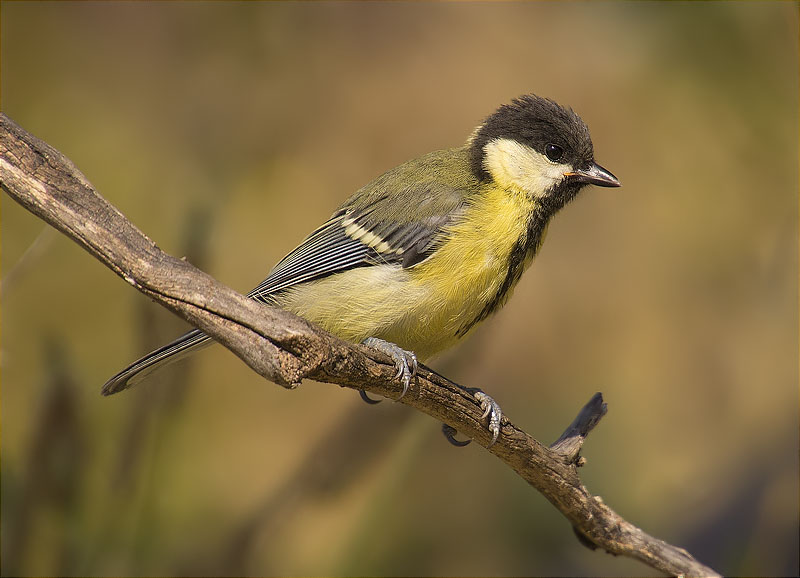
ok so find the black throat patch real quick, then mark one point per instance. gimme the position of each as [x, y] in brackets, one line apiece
[524, 250]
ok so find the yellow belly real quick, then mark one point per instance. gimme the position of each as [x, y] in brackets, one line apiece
[422, 308]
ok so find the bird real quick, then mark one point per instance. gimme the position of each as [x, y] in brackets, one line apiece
[416, 259]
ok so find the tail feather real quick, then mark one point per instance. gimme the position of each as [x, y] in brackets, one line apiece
[162, 356]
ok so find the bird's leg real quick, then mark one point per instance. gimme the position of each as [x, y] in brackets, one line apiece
[490, 407]
[405, 362]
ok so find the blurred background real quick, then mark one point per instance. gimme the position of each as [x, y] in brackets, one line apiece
[228, 131]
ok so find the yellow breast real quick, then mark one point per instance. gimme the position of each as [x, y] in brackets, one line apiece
[422, 308]
[467, 272]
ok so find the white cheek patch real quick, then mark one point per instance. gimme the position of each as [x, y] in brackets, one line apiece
[513, 164]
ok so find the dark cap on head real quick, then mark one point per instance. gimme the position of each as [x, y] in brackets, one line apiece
[536, 122]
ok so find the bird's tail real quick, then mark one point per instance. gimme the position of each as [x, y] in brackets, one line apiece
[162, 356]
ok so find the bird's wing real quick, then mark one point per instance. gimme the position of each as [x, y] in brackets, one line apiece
[370, 229]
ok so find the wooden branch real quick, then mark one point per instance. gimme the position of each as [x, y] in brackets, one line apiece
[286, 349]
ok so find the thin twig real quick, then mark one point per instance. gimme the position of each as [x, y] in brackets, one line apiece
[570, 442]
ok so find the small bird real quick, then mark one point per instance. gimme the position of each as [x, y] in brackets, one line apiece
[414, 260]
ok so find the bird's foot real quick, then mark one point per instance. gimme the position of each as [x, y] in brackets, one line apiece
[405, 362]
[491, 409]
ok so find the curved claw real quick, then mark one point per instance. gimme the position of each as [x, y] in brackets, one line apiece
[367, 398]
[450, 433]
[491, 409]
[410, 367]
[405, 361]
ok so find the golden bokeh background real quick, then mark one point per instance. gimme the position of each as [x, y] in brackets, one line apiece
[227, 131]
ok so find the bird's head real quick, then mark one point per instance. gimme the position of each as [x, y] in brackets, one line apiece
[537, 146]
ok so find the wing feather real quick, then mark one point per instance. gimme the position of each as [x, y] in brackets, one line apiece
[373, 227]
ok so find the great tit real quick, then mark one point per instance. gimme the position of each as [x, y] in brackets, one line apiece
[414, 260]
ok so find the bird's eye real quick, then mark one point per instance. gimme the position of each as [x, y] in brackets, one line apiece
[554, 152]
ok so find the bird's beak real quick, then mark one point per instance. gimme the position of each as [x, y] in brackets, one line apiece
[594, 175]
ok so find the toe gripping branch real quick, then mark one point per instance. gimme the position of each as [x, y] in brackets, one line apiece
[491, 409]
[405, 362]
[407, 365]
[567, 445]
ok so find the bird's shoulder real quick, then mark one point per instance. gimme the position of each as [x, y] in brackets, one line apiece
[406, 210]
[431, 185]
[399, 218]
